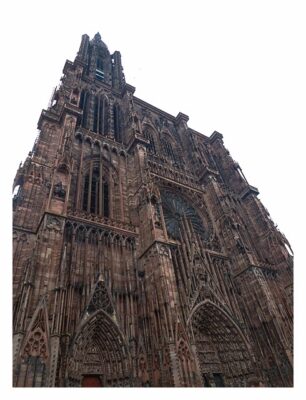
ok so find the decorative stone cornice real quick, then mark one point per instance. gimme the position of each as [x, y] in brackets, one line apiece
[181, 117]
[128, 89]
[249, 190]
[214, 136]
[135, 140]
[206, 173]
[108, 223]
[49, 115]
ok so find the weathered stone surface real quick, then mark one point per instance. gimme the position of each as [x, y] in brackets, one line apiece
[142, 256]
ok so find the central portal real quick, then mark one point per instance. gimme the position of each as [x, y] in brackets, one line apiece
[98, 355]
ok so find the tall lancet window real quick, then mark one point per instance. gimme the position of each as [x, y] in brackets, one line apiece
[105, 199]
[101, 115]
[95, 193]
[96, 114]
[117, 123]
[104, 117]
[84, 105]
[148, 135]
[167, 149]
[99, 70]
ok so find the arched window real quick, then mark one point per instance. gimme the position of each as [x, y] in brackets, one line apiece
[104, 117]
[84, 105]
[101, 115]
[105, 199]
[16, 196]
[117, 123]
[96, 114]
[167, 149]
[68, 232]
[95, 196]
[80, 235]
[148, 135]
[99, 69]
[16, 191]
[74, 96]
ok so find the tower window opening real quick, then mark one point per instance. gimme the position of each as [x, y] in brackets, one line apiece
[74, 97]
[105, 200]
[85, 193]
[151, 147]
[84, 105]
[103, 117]
[82, 100]
[95, 200]
[99, 70]
[99, 74]
[16, 196]
[16, 190]
[100, 115]
[288, 248]
[96, 114]
[117, 123]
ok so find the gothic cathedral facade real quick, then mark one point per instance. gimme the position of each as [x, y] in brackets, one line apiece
[141, 254]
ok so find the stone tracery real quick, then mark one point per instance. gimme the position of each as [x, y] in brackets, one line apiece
[175, 209]
[161, 266]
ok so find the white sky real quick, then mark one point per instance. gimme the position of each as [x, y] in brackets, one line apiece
[237, 67]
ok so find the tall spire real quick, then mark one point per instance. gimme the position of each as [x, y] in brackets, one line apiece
[98, 41]
[99, 63]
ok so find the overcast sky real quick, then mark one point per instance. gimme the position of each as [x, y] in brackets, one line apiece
[237, 67]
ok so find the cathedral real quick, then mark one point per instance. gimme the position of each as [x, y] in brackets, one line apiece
[142, 257]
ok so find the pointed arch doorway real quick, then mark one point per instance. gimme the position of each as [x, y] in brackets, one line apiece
[98, 354]
[223, 353]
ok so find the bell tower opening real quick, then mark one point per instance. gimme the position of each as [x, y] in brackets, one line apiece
[99, 69]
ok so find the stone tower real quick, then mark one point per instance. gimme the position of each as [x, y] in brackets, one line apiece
[142, 256]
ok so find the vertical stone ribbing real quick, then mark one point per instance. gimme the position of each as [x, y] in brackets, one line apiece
[184, 281]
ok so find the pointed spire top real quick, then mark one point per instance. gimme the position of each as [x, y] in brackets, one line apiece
[97, 37]
[97, 40]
